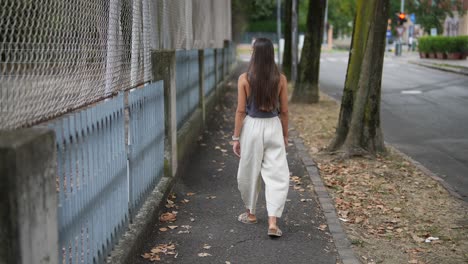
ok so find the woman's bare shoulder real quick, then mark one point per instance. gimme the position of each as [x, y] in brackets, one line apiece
[283, 78]
[243, 77]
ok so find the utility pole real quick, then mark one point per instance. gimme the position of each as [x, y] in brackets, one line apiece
[294, 41]
[278, 27]
[402, 6]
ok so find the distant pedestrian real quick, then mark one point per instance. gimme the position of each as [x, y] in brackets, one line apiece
[410, 42]
[261, 135]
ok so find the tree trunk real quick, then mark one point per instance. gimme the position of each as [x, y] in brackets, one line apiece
[359, 131]
[287, 59]
[306, 89]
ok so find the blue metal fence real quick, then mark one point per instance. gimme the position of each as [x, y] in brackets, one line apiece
[219, 64]
[91, 182]
[99, 182]
[187, 84]
[146, 141]
[210, 74]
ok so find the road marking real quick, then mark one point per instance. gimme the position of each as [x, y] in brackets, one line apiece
[411, 92]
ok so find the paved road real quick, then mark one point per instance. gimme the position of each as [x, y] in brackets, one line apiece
[424, 113]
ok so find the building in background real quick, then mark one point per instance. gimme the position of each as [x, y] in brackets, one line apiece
[458, 24]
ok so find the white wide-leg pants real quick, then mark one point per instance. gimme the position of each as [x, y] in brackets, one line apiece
[263, 152]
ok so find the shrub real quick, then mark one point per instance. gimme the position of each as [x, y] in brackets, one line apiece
[440, 43]
[423, 44]
[443, 44]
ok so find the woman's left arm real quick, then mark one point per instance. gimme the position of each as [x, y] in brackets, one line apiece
[283, 96]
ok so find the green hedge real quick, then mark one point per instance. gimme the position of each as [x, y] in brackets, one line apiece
[443, 44]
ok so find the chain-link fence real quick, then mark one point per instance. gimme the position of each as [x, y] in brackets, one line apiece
[57, 56]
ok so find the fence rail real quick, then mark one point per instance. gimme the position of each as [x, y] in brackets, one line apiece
[146, 142]
[210, 71]
[187, 83]
[91, 181]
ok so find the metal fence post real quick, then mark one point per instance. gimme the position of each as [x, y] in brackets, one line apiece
[216, 58]
[164, 68]
[28, 197]
[201, 78]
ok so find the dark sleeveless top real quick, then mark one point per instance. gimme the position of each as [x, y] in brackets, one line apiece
[252, 110]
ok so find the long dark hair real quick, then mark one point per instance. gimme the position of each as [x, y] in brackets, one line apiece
[263, 75]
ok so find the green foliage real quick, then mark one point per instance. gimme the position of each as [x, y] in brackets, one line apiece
[443, 44]
[431, 14]
[262, 15]
[269, 26]
[262, 9]
[440, 44]
[423, 44]
[340, 14]
[239, 17]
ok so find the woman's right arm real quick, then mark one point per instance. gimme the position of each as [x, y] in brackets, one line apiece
[240, 112]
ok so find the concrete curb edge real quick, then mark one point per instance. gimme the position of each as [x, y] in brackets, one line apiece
[440, 68]
[427, 172]
[342, 244]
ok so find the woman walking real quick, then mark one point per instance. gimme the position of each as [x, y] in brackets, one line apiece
[261, 135]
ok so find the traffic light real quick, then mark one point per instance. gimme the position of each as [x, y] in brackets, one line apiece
[401, 18]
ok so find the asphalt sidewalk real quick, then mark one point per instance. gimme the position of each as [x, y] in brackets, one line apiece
[207, 203]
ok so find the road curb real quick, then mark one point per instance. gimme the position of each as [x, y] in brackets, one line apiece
[428, 172]
[420, 166]
[342, 244]
[441, 68]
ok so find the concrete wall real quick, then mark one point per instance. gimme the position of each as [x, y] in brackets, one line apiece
[28, 197]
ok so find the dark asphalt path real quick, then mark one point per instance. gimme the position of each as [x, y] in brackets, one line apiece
[424, 113]
[212, 172]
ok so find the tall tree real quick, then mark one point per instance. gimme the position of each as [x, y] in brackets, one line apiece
[306, 89]
[287, 59]
[239, 18]
[359, 131]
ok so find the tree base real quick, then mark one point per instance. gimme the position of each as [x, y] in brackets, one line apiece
[305, 94]
[346, 151]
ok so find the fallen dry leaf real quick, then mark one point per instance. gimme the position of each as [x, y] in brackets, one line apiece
[204, 254]
[211, 197]
[153, 255]
[417, 239]
[173, 227]
[322, 227]
[206, 246]
[170, 204]
[163, 229]
[190, 194]
[167, 217]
